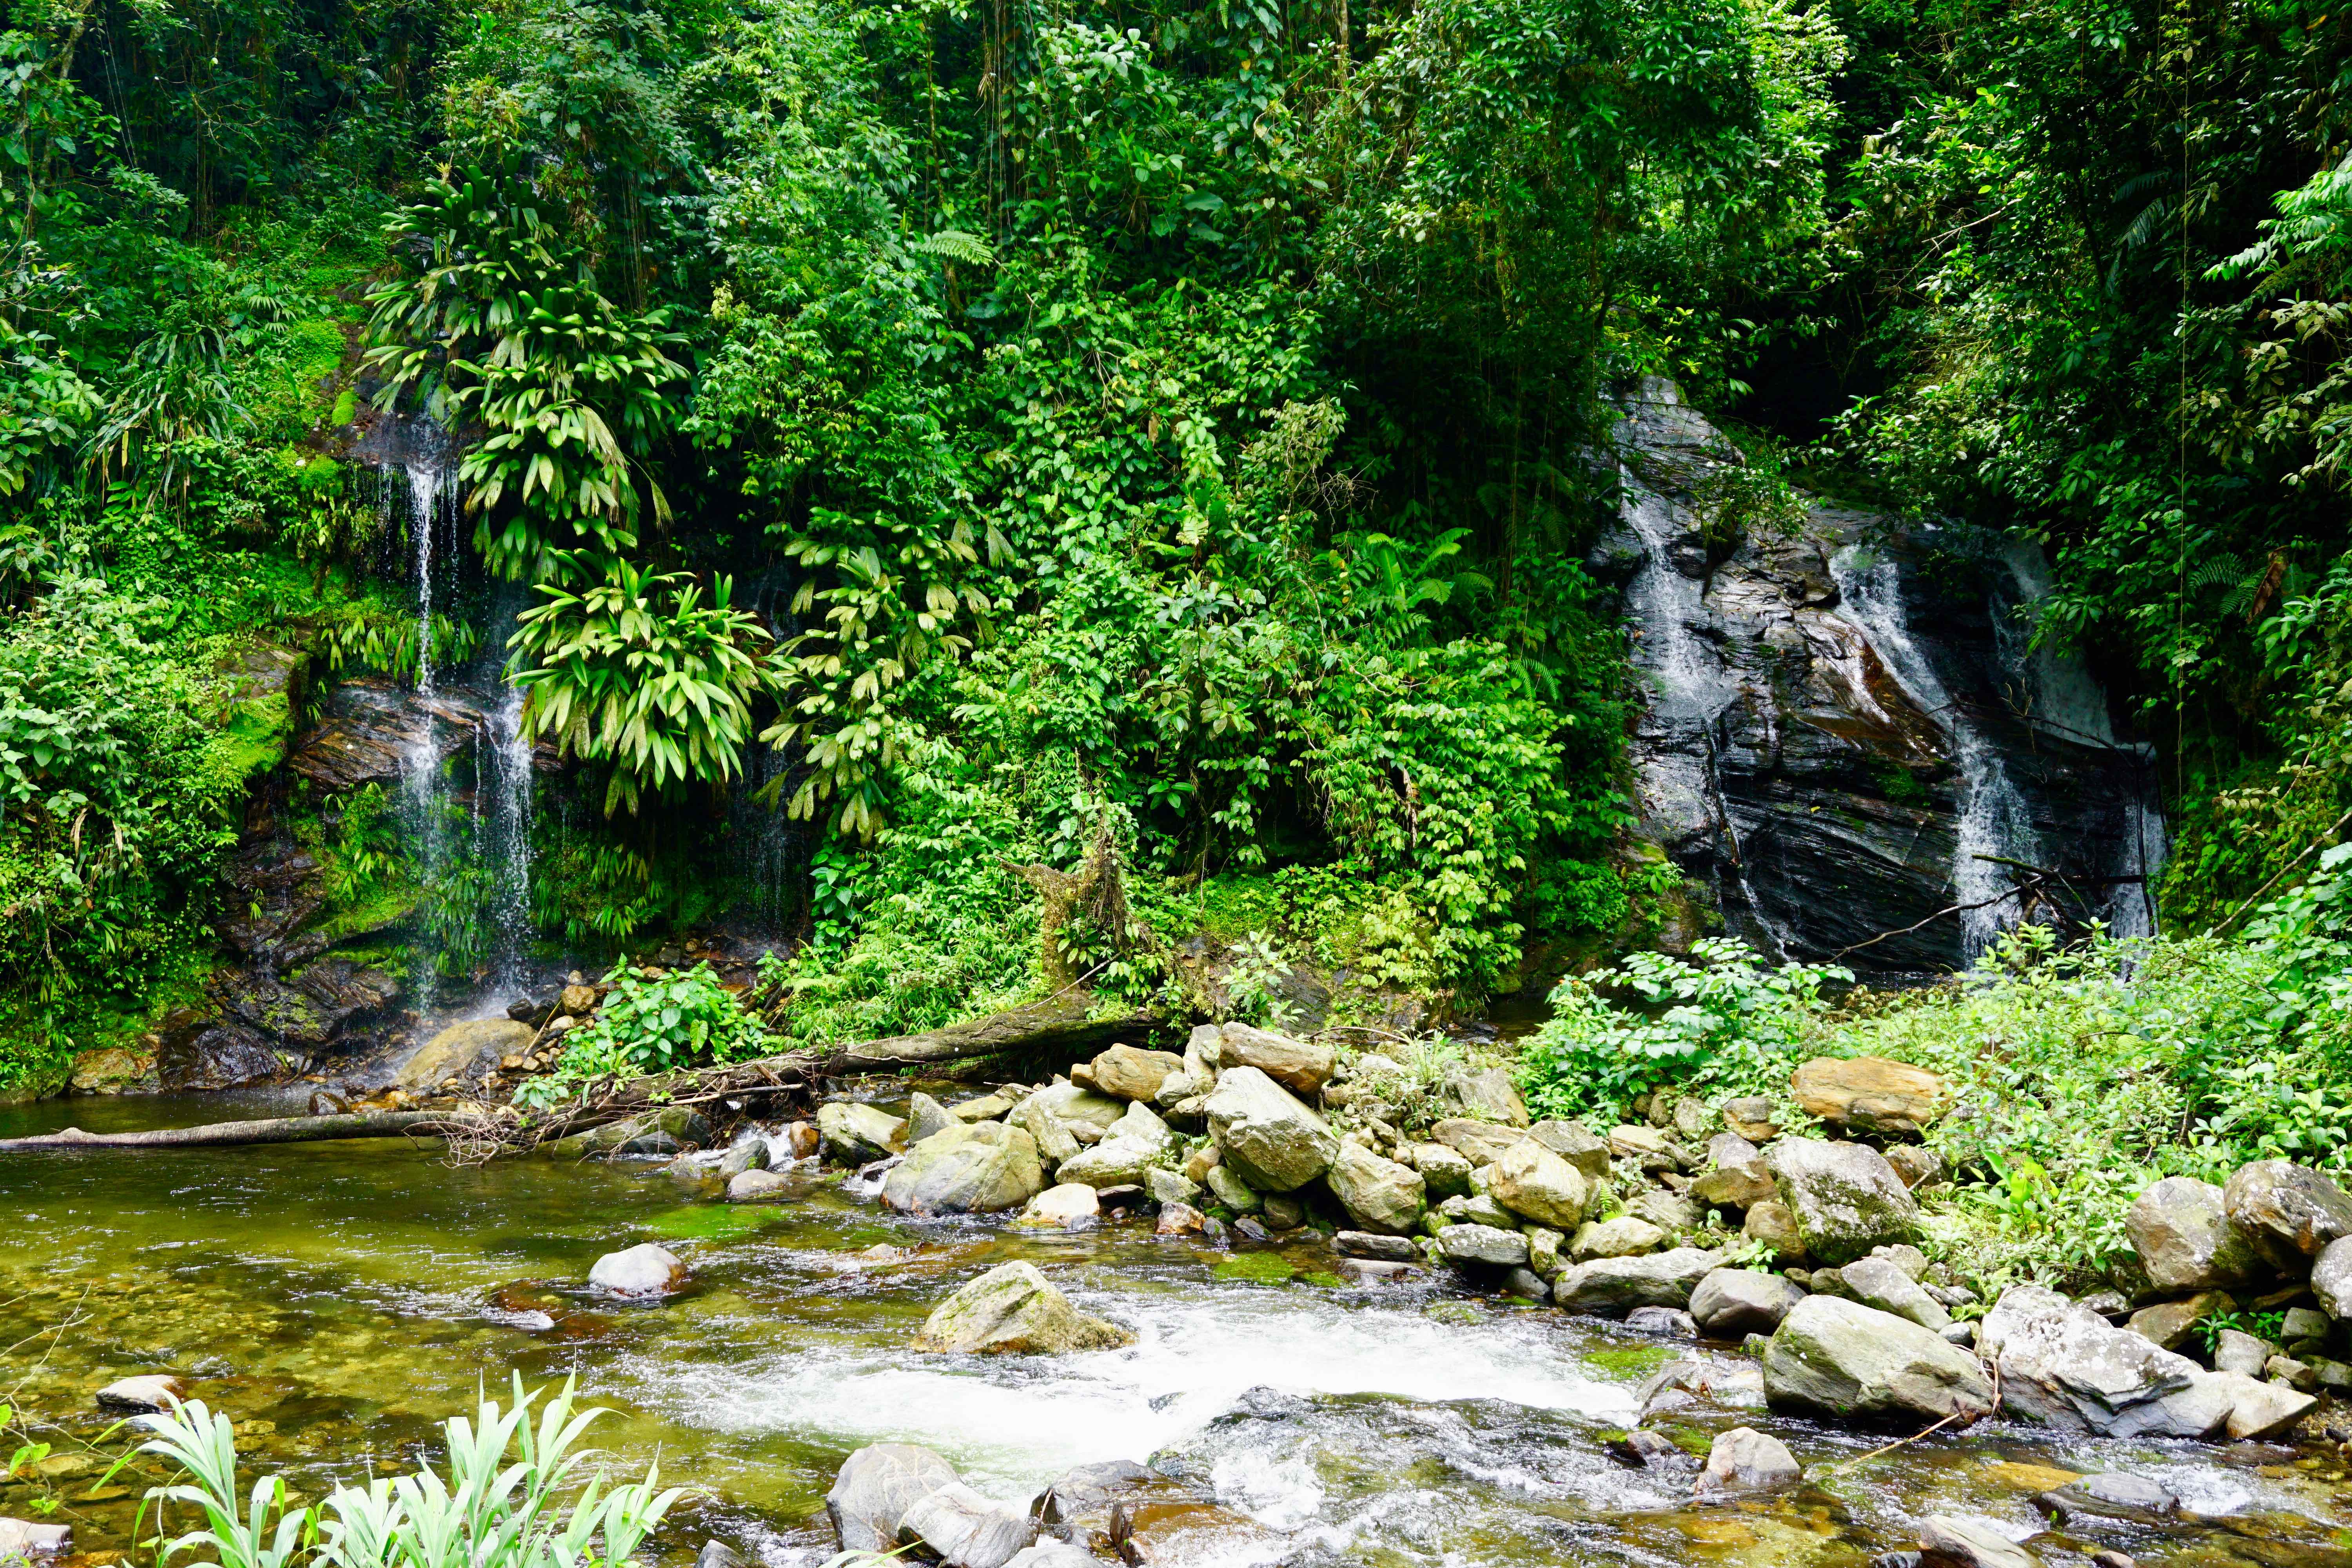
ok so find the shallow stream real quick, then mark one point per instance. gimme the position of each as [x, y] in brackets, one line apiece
[340, 1298]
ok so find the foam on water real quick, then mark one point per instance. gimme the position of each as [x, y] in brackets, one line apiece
[1012, 1424]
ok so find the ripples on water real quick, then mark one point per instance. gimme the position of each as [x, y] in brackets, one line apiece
[342, 1298]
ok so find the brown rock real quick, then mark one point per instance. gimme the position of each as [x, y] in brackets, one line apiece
[1296, 1064]
[579, 1000]
[1871, 1094]
[1774, 1223]
[2168, 1323]
[1127, 1072]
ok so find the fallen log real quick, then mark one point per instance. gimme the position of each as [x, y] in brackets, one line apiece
[1059, 1024]
[267, 1130]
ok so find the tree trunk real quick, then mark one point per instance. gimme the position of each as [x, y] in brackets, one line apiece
[272, 1130]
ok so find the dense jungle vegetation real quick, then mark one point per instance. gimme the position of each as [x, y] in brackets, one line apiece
[1170, 429]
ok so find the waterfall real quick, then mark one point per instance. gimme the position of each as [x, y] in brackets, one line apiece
[2063, 700]
[1993, 814]
[465, 773]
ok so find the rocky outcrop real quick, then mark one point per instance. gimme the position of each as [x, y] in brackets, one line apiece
[2063, 1364]
[464, 1051]
[1834, 735]
[1845, 1360]
[2289, 1211]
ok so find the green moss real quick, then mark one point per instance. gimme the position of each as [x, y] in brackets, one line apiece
[714, 1222]
[1256, 1268]
[1633, 1361]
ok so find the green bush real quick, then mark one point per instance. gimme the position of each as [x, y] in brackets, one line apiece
[652, 1021]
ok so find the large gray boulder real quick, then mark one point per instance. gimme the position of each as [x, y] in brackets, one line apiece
[874, 1489]
[1012, 1310]
[1612, 1286]
[1298, 1065]
[1733, 1303]
[1845, 1360]
[1847, 1198]
[854, 1133]
[965, 1530]
[2291, 1211]
[1881, 1283]
[2066, 1365]
[1535, 1183]
[1378, 1194]
[1270, 1138]
[1484, 1243]
[2181, 1230]
[968, 1169]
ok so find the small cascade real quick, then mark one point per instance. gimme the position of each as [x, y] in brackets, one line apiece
[467, 787]
[1994, 824]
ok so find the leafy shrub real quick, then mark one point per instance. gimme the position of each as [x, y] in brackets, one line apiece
[1723, 1024]
[652, 1021]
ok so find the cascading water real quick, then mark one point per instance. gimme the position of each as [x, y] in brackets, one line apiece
[2063, 700]
[1993, 823]
[466, 807]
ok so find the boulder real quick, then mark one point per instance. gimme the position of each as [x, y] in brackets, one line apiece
[1847, 1198]
[1113, 1163]
[1480, 1142]
[2064, 1364]
[1639, 1143]
[748, 1153]
[1871, 1094]
[660, 1131]
[1479, 1209]
[642, 1270]
[1087, 1115]
[2181, 1230]
[1733, 1303]
[1745, 1460]
[112, 1069]
[464, 1051]
[1274, 1142]
[1012, 1310]
[1125, 1072]
[1918, 1165]
[1845, 1360]
[1774, 1223]
[1612, 1286]
[1625, 1236]
[1070, 1206]
[873, 1490]
[1543, 1249]
[965, 1530]
[969, 1168]
[1669, 1210]
[1378, 1194]
[145, 1394]
[854, 1133]
[1946, 1541]
[1443, 1173]
[1532, 1181]
[1232, 1191]
[1736, 1176]
[1751, 1116]
[1880, 1282]
[1489, 1096]
[2256, 1409]
[1482, 1244]
[2168, 1323]
[1296, 1064]
[1166, 1186]
[1365, 1244]
[2331, 1277]
[1177, 1219]
[2290, 1211]
[2240, 1353]
[753, 1186]
[1576, 1143]
[926, 1116]
[719, 1554]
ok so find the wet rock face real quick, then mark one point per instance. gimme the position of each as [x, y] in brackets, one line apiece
[1842, 722]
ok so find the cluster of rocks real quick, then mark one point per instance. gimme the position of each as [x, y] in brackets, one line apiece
[895, 1497]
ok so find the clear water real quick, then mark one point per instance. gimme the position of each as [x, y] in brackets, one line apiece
[341, 1299]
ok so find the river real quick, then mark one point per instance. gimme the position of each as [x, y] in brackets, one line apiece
[341, 1299]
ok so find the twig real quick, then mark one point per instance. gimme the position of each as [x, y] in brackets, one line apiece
[1901, 1442]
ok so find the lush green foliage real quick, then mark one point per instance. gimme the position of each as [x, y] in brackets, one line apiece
[652, 1021]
